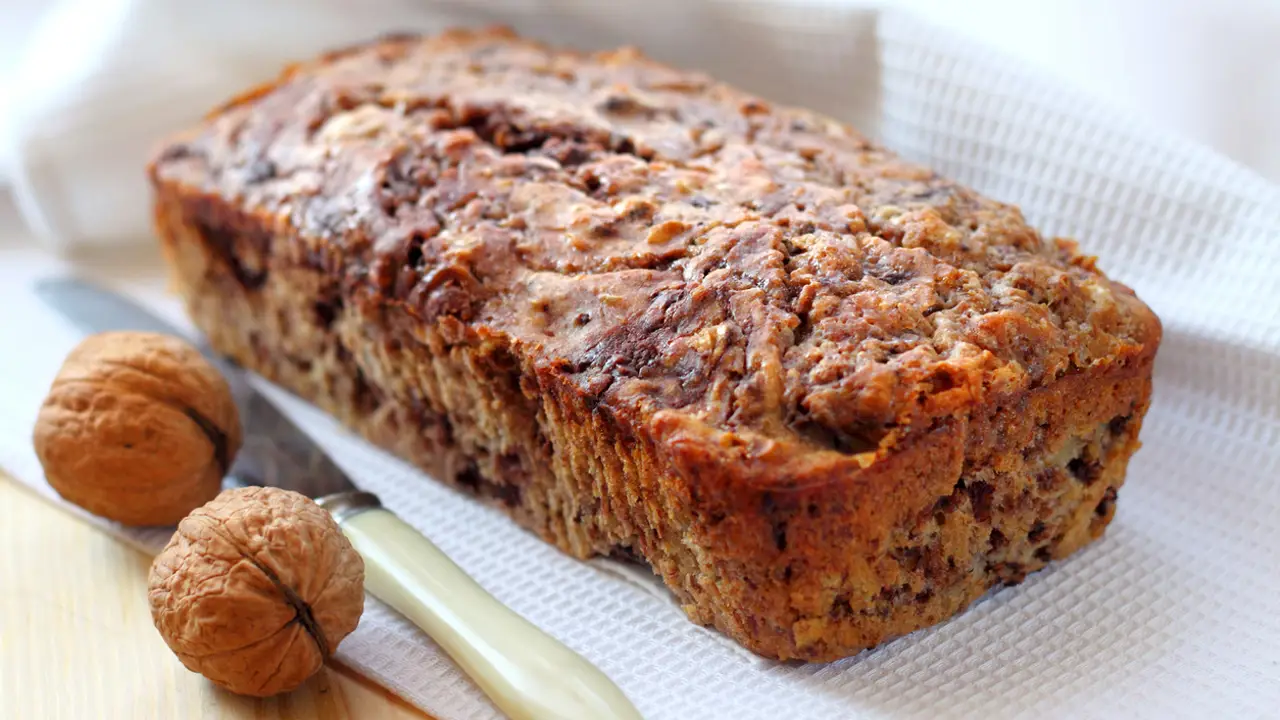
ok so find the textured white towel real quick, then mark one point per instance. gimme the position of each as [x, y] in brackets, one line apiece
[1175, 613]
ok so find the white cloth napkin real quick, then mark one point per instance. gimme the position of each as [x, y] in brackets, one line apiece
[1175, 613]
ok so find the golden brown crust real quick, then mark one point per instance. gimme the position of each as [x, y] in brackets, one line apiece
[653, 315]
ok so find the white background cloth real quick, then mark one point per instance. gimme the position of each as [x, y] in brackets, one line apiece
[1175, 613]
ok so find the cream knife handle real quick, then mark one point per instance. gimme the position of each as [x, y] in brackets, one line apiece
[528, 674]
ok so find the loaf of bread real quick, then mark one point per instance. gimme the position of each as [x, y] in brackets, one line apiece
[828, 396]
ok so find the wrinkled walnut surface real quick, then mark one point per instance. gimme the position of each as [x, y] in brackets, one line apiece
[256, 589]
[651, 316]
[137, 427]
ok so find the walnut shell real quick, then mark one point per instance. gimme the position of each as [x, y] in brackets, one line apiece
[137, 427]
[256, 589]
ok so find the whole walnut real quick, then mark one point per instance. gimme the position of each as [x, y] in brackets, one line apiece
[256, 589]
[137, 427]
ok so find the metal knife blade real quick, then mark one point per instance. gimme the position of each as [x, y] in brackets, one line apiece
[275, 450]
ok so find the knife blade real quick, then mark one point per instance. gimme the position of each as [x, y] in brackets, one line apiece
[528, 674]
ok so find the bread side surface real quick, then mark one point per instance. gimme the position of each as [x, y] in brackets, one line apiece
[829, 397]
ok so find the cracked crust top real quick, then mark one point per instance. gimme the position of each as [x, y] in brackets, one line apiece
[678, 250]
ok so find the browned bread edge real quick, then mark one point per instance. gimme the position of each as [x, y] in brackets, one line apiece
[795, 555]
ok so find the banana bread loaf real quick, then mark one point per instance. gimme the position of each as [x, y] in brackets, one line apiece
[828, 396]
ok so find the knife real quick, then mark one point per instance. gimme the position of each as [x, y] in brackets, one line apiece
[526, 673]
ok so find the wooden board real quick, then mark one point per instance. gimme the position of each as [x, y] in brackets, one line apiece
[76, 638]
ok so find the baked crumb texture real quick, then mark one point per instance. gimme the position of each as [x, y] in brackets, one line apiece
[828, 396]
